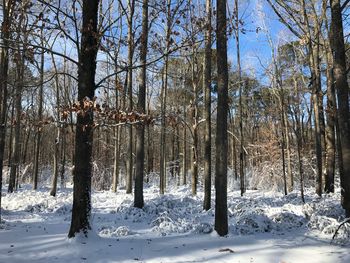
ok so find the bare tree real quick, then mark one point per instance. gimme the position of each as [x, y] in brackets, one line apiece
[141, 107]
[342, 89]
[221, 221]
[207, 108]
[81, 210]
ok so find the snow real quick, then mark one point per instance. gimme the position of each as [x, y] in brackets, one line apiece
[263, 227]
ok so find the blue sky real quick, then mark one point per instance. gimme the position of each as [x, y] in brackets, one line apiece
[254, 46]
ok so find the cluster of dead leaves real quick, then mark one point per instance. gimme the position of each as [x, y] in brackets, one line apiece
[104, 113]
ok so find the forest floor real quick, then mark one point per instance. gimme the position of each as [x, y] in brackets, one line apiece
[263, 227]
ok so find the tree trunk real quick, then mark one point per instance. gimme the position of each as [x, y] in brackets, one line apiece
[221, 222]
[194, 152]
[330, 128]
[4, 63]
[81, 210]
[207, 109]
[163, 103]
[184, 159]
[58, 137]
[40, 116]
[129, 172]
[241, 149]
[342, 89]
[141, 108]
[177, 154]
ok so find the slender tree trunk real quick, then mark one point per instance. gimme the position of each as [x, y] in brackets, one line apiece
[177, 154]
[141, 107]
[117, 137]
[58, 137]
[63, 157]
[221, 222]
[317, 118]
[194, 152]
[207, 109]
[163, 103]
[81, 210]
[330, 128]
[241, 149]
[342, 89]
[40, 116]
[299, 150]
[194, 156]
[282, 152]
[149, 152]
[172, 154]
[184, 159]
[129, 174]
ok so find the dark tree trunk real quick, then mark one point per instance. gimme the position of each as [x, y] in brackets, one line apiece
[141, 108]
[184, 159]
[84, 131]
[221, 222]
[207, 110]
[316, 86]
[330, 127]
[164, 90]
[4, 63]
[40, 116]
[342, 89]
[129, 172]
[57, 139]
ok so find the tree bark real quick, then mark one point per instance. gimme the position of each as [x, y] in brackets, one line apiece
[330, 127]
[4, 63]
[40, 116]
[241, 149]
[163, 103]
[184, 159]
[58, 137]
[141, 107]
[81, 210]
[221, 222]
[207, 109]
[129, 172]
[342, 89]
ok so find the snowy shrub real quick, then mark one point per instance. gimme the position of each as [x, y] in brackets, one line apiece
[63, 210]
[115, 232]
[203, 228]
[287, 220]
[37, 208]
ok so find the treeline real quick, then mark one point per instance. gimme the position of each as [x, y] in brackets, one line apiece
[118, 93]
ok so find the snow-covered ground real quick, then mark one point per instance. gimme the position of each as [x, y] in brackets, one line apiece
[264, 227]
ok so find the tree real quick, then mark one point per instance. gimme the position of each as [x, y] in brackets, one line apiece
[221, 221]
[40, 116]
[129, 172]
[207, 109]
[342, 89]
[7, 10]
[81, 210]
[141, 107]
[164, 88]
